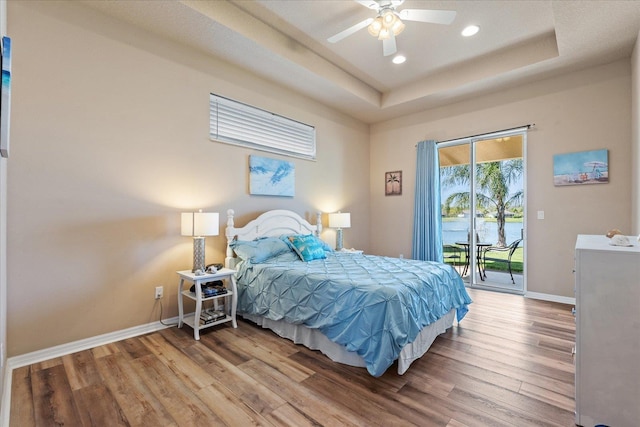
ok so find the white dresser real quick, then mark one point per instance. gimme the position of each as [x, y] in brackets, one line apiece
[607, 332]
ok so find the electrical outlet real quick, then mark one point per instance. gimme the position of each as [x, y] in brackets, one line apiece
[159, 292]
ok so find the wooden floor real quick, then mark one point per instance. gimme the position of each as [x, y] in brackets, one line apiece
[509, 363]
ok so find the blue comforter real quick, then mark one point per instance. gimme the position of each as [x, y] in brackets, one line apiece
[372, 305]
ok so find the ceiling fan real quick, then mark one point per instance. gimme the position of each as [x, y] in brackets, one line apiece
[388, 23]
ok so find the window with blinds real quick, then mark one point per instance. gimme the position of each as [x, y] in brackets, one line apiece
[233, 122]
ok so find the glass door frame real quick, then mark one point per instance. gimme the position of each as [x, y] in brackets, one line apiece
[471, 141]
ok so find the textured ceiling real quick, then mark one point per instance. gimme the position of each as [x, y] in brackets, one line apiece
[286, 42]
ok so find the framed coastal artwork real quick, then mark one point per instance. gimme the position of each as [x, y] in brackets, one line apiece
[580, 168]
[271, 177]
[5, 99]
[393, 183]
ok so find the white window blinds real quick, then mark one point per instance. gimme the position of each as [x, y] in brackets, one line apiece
[236, 123]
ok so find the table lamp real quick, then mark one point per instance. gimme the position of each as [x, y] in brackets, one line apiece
[339, 221]
[198, 225]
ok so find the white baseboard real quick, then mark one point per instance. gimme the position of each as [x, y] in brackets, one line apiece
[75, 346]
[64, 349]
[5, 406]
[550, 297]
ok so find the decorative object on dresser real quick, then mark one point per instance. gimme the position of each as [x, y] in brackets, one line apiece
[339, 220]
[607, 286]
[613, 232]
[198, 225]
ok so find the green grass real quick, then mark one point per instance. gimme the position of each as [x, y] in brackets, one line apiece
[516, 259]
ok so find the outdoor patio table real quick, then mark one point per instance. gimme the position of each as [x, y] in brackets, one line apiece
[479, 257]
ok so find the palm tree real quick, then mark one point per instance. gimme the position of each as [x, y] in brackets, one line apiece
[492, 188]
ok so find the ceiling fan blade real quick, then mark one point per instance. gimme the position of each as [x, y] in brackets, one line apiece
[389, 45]
[371, 4]
[346, 33]
[376, 4]
[431, 16]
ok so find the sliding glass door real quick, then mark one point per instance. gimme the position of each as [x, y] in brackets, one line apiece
[482, 181]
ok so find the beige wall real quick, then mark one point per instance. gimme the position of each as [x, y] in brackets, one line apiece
[585, 110]
[109, 144]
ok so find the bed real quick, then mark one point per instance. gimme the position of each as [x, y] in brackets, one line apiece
[360, 310]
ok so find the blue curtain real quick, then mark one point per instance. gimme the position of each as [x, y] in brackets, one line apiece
[427, 220]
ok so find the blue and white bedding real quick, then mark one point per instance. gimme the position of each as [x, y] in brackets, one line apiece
[372, 305]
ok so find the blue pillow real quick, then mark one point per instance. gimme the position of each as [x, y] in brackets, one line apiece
[259, 250]
[308, 247]
[325, 245]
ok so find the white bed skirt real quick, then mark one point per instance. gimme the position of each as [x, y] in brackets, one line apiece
[316, 340]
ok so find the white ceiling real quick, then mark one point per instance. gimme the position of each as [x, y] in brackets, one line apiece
[285, 41]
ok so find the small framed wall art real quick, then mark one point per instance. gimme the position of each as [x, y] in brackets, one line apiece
[393, 183]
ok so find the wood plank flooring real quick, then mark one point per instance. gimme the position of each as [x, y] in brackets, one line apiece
[508, 363]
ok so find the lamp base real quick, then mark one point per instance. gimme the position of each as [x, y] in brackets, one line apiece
[339, 239]
[198, 254]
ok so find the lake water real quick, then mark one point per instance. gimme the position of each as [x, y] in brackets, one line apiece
[456, 231]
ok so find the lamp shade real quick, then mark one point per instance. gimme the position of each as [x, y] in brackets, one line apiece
[340, 220]
[200, 224]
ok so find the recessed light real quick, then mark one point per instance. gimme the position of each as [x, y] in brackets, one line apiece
[398, 59]
[470, 30]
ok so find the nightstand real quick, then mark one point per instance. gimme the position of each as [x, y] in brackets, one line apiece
[193, 319]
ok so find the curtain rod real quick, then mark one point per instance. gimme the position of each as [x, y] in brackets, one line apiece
[529, 126]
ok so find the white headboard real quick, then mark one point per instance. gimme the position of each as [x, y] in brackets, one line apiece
[272, 223]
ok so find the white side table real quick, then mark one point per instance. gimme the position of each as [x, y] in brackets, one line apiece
[225, 274]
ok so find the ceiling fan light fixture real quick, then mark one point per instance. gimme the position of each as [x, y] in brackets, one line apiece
[384, 34]
[385, 24]
[388, 18]
[375, 26]
[397, 27]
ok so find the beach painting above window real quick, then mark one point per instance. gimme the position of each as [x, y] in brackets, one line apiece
[271, 177]
[583, 167]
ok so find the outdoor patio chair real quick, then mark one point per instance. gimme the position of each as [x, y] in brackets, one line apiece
[452, 254]
[511, 249]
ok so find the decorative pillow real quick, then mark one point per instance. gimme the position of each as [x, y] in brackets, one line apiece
[325, 245]
[289, 256]
[259, 250]
[308, 247]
